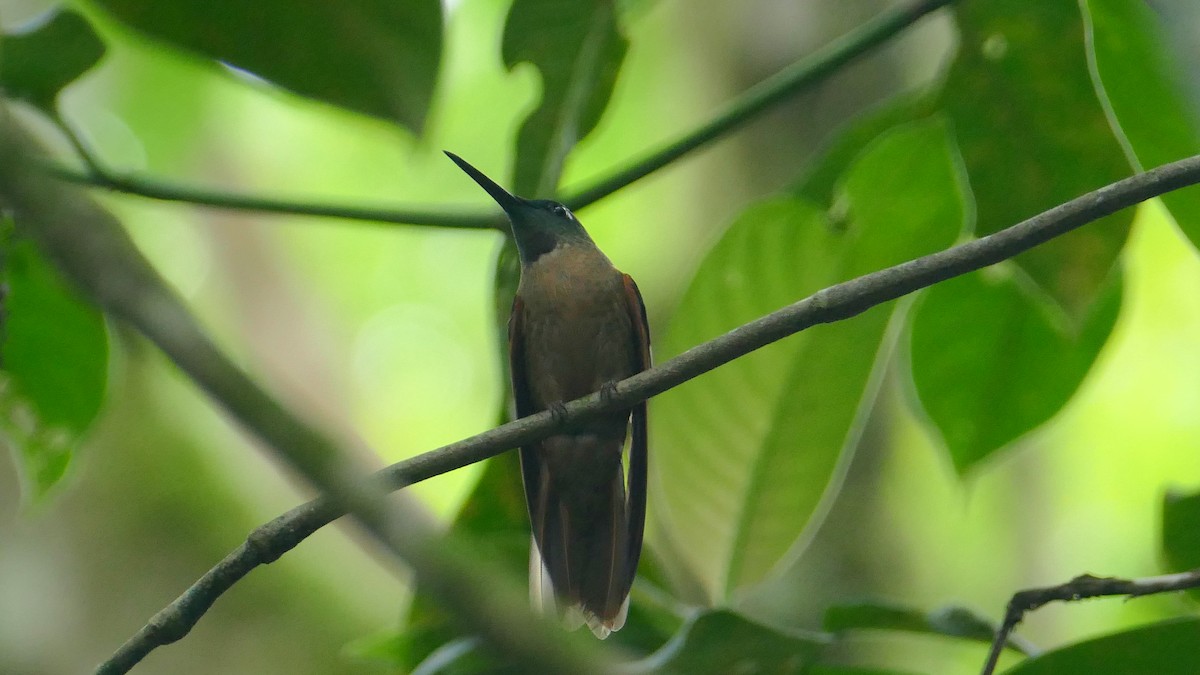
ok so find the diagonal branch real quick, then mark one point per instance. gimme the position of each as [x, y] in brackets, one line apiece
[835, 303]
[1081, 588]
[746, 107]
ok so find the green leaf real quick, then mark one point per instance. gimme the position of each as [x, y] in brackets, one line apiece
[1181, 531]
[1166, 648]
[507, 278]
[1142, 86]
[53, 363]
[377, 57]
[37, 64]
[992, 359]
[654, 615]
[951, 621]
[823, 669]
[745, 454]
[462, 656]
[578, 49]
[820, 180]
[1034, 135]
[724, 642]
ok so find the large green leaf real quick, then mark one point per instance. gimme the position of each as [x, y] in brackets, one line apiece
[820, 181]
[53, 361]
[1135, 75]
[745, 454]
[1181, 531]
[1033, 135]
[992, 359]
[578, 49]
[378, 57]
[36, 64]
[725, 642]
[1167, 648]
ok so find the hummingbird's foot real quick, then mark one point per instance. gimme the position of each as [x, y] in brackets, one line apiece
[558, 411]
[608, 391]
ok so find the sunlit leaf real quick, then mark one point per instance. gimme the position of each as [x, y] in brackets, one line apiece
[577, 48]
[1143, 88]
[38, 62]
[376, 57]
[744, 454]
[992, 359]
[725, 642]
[1167, 648]
[1033, 135]
[53, 363]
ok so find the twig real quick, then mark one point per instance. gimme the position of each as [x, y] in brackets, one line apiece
[1081, 588]
[98, 176]
[750, 104]
[835, 303]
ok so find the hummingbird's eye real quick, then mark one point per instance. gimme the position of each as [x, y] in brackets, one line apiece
[562, 211]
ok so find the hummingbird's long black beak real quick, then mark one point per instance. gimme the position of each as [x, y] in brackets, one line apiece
[504, 198]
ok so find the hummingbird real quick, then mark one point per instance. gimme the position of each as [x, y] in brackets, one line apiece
[577, 326]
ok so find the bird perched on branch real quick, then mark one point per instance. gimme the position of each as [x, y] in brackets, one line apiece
[577, 326]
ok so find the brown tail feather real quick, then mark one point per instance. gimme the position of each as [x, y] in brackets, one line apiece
[581, 529]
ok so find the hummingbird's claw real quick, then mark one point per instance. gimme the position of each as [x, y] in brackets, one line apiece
[558, 411]
[608, 391]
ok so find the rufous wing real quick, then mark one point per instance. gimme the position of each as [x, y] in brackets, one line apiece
[638, 444]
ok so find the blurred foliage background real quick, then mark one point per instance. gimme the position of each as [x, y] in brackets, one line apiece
[1012, 428]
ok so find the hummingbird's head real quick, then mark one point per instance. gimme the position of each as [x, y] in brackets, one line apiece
[538, 225]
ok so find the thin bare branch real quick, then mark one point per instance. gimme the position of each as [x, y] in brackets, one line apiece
[152, 188]
[1081, 588]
